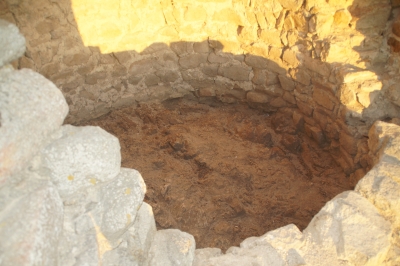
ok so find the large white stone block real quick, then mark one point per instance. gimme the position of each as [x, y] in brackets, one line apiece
[82, 157]
[31, 223]
[351, 228]
[31, 109]
[286, 240]
[12, 43]
[96, 219]
[202, 256]
[381, 186]
[136, 241]
[171, 247]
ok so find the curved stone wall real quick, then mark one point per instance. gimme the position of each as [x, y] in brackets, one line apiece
[322, 61]
[64, 200]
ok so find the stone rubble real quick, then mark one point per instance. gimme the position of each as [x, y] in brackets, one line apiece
[65, 200]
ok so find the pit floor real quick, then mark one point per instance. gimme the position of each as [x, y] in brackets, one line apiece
[224, 172]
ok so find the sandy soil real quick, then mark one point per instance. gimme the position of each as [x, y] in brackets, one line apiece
[224, 172]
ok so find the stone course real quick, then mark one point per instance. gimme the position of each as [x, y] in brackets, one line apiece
[321, 61]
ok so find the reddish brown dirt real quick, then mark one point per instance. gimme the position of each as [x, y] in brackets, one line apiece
[224, 172]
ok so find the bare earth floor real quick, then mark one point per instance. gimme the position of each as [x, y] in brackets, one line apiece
[224, 172]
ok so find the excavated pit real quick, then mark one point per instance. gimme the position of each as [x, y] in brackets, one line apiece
[224, 172]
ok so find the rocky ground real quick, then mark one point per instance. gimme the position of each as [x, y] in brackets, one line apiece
[224, 172]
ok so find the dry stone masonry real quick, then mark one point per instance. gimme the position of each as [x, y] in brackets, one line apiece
[64, 198]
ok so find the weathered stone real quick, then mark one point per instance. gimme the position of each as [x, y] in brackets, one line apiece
[92, 78]
[301, 76]
[356, 221]
[121, 199]
[12, 43]
[142, 66]
[271, 78]
[278, 102]
[168, 76]
[286, 83]
[235, 72]
[260, 77]
[26, 98]
[256, 61]
[274, 90]
[291, 4]
[76, 59]
[298, 120]
[203, 255]
[81, 157]
[136, 241]
[257, 97]
[207, 92]
[180, 48]
[123, 57]
[134, 80]
[393, 94]
[271, 37]
[384, 138]
[342, 18]
[315, 133]
[287, 96]
[119, 71]
[31, 224]
[348, 143]
[259, 255]
[323, 98]
[210, 70]
[171, 247]
[201, 47]
[317, 66]
[290, 57]
[192, 60]
[305, 108]
[151, 80]
[201, 83]
[381, 186]
[216, 58]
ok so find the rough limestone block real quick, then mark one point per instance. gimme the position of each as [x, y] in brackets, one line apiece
[121, 199]
[286, 241]
[231, 259]
[31, 224]
[12, 43]
[203, 255]
[381, 186]
[82, 157]
[136, 241]
[351, 227]
[384, 142]
[31, 109]
[81, 249]
[96, 218]
[262, 255]
[171, 247]
[286, 237]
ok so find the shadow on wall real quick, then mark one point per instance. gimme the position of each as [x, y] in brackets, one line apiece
[272, 57]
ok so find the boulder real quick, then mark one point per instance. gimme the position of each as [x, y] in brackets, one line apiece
[136, 241]
[32, 108]
[81, 157]
[171, 247]
[96, 219]
[348, 228]
[12, 43]
[31, 223]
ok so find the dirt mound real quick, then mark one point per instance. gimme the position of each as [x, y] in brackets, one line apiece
[224, 172]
